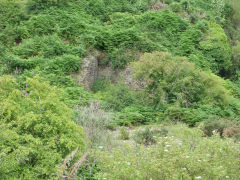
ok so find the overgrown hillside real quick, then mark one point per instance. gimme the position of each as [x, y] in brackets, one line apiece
[185, 53]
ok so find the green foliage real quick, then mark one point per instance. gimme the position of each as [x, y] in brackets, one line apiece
[124, 134]
[225, 127]
[99, 84]
[174, 80]
[77, 96]
[213, 125]
[188, 41]
[145, 137]
[176, 7]
[41, 4]
[180, 89]
[236, 8]
[184, 154]
[96, 123]
[118, 97]
[138, 114]
[64, 64]
[119, 58]
[47, 46]
[216, 49]
[235, 59]
[49, 38]
[37, 130]
[12, 13]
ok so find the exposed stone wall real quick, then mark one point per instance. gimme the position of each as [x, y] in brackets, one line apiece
[126, 75]
[90, 72]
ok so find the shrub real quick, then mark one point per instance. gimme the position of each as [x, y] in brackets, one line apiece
[118, 97]
[12, 13]
[137, 114]
[119, 58]
[189, 39]
[224, 127]
[175, 7]
[124, 134]
[184, 154]
[216, 49]
[213, 125]
[145, 137]
[96, 122]
[162, 132]
[100, 85]
[235, 58]
[47, 47]
[37, 129]
[41, 24]
[42, 4]
[75, 96]
[174, 80]
[65, 64]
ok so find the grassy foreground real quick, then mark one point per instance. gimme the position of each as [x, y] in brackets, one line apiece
[175, 152]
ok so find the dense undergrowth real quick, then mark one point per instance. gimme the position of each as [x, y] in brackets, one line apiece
[189, 62]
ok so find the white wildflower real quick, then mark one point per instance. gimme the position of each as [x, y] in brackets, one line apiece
[100, 147]
[165, 150]
[187, 156]
[198, 177]
[227, 177]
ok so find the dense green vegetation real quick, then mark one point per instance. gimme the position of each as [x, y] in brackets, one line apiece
[185, 52]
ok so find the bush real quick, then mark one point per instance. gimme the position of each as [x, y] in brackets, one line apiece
[118, 97]
[37, 129]
[100, 85]
[12, 13]
[96, 123]
[124, 134]
[138, 114]
[212, 126]
[176, 7]
[184, 154]
[174, 80]
[75, 96]
[224, 127]
[41, 24]
[47, 47]
[119, 58]
[178, 88]
[145, 137]
[42, 4]
[216, 49]
[65, 64]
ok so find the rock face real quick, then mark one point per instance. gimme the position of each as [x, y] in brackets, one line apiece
[125, 75]
[89, 72]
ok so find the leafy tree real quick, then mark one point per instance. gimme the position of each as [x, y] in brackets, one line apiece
[37, 130]
[174, 80]
[216, 49]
